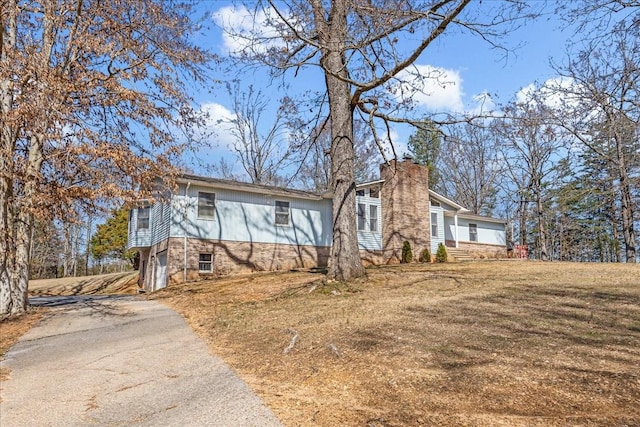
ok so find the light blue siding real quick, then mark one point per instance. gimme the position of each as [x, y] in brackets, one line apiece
[159, 222]
[488, 232]
[449, 228]
[138, 238]
[250, 217]
[367, 239]
[439, 237]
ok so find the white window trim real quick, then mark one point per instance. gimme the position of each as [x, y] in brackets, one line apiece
[366, 216]
[434, 214]
[371, 218]
[148, 218]
[475, 226]
[206, 217]
[363, 216]
[210, 262]
[275, 217]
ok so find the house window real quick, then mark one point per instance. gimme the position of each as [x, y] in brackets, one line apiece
[143, 218]
[360, 193]
[374, 193]
[361, 217]
[282, 213]
[373, 218]
[473, 232]
[205, 263]
[206, 205]
[434, 224]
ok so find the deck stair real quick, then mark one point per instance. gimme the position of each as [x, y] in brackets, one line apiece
[458, 254]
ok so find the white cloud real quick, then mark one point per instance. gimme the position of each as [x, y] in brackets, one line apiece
[217, 131]
[438, 89]
[484, 104]
[525, 94]
[554, 93]
[242, 28]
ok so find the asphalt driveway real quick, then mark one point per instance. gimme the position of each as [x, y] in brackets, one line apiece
[121, 361]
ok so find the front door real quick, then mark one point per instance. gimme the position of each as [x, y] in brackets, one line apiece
[161, 271]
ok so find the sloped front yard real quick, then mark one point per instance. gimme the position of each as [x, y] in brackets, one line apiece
[494, 343]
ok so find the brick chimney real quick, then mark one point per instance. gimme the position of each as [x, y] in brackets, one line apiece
[405, 208]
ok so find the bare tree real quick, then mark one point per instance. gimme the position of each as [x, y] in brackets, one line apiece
[314, 172]
[471, 166]
[263, 155]
[595, 18]
[89, 94]
[366, 71]
[531, 151]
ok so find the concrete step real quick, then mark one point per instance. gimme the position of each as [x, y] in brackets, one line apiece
[459, 254]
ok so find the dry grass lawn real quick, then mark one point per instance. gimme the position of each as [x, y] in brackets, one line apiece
[478, 344]
[114, 283]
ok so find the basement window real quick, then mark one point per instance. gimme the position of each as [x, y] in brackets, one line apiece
[205, 263]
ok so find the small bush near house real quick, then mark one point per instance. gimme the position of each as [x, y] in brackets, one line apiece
[407, 255]
[441, 254]
[425, 256]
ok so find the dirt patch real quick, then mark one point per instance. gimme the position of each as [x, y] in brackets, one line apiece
[493, 343]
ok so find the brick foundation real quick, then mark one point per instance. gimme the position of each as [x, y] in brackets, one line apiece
[239, 257]
[480, 250]
[371, 257]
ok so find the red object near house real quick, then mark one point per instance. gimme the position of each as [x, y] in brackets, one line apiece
[522, 251]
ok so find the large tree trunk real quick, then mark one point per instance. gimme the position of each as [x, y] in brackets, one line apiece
[344, 262]
[8, 303]
[18, 206]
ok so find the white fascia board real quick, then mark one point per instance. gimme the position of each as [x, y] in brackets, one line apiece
[447, 201]
[249, 188]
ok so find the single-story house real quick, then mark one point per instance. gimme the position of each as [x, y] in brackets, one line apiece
[212, 226]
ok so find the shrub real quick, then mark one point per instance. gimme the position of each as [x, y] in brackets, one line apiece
[407, 255]
[425, 256]
[441, 254]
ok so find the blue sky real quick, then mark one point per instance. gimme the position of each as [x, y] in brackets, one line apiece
[467, 60]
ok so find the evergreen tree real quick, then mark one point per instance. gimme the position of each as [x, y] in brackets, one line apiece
[424, 146]
[441, 253]
[110, 238]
